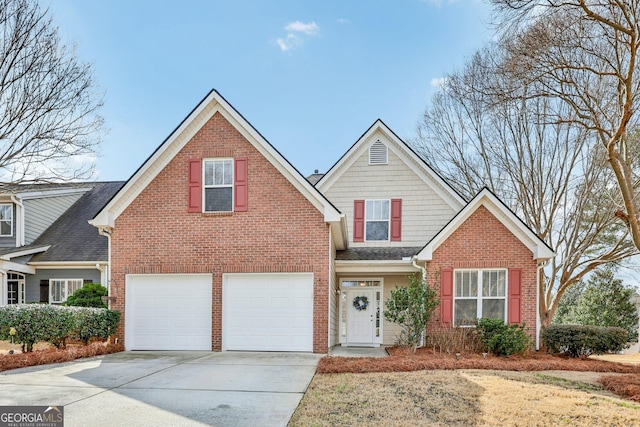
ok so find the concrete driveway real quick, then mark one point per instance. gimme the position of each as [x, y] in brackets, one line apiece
[167, 388]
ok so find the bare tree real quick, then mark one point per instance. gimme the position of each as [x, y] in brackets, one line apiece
[583, 53]
[49, 119]
[553, 174]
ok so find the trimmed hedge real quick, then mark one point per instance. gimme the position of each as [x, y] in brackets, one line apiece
[502, 339]
[584, 340]
[31, 323]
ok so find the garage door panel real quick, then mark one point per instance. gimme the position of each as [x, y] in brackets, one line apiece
[168, 312]
[268, 312]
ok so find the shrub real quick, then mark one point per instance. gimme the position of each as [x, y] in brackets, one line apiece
[455, 340]
[584, 340]
[90, 295]
[32, 323]
[502, 339]
[411, 307]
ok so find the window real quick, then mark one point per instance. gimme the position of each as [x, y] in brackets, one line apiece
[218, 185]
[377, 220]
[6, 220]
[378, 153]
[15, 288]
[479, 294]
[61, 289]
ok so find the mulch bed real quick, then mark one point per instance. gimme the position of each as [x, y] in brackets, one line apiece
[53, 355]
[402, 360]
[627, 386]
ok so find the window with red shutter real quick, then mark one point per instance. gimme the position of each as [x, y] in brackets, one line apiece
[195, 186]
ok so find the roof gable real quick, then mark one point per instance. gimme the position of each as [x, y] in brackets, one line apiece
[380, 132]
[540, 250]
[214, 103]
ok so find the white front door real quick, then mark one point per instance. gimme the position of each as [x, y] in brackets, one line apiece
[361, 316]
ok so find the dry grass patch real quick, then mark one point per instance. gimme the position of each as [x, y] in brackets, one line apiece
[459, 398]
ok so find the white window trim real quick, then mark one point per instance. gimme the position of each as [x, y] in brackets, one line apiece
[65, 291]
[480, 297]
[374, 220]
[10, 205]
[342, 339]
[205, 186]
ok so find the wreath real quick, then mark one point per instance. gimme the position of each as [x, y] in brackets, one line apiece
[361, 303]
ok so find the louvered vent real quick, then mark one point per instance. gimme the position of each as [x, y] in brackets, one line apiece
[378, 153]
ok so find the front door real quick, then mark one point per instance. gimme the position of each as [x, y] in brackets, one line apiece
[15, 288]
[361, 313]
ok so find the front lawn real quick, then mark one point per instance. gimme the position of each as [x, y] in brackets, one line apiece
[461, 398]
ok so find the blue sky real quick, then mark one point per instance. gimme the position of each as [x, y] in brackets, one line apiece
[310, 76]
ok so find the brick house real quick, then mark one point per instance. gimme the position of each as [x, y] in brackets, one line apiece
[217, 242]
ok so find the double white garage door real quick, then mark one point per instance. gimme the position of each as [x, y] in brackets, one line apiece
[260, 312]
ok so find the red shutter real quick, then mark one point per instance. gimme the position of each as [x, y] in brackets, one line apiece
[446, 296]
[396, 220]
[515, 294]
[195, 186]
[241, 195]
[358, 221]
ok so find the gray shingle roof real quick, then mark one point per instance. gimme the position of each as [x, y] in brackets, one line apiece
[314, 178]
[376, 254]
[71, 236]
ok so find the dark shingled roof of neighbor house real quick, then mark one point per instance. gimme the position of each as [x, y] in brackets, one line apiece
[377, 254]
[71, 236]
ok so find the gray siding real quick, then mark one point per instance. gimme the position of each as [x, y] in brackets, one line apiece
[40, 213]
[424, 212]
[10, 241]
[33, 281]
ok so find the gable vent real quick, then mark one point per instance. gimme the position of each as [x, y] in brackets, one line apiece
[378, 153]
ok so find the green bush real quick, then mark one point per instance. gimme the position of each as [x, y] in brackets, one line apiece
[502, 339]
[31, 323]
[584, 340]
[90, 295]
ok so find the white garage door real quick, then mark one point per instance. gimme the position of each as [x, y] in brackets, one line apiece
[168, 312]
[267, 312]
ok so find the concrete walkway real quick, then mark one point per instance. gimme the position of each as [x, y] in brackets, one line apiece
[167, 388]
[358, 351]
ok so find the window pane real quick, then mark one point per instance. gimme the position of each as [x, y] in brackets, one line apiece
[218, 173]
[465, 312]
[218, 199]
[5, 228]
[228, 173]
[74, 285]
[466, 283]
[208, 173]
[493, 283]
[493, 308]
[5, 212]
[377, 230]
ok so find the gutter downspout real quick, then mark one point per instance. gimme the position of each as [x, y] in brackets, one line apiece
[104, 231]
[20, 238]
[539, 267]
[423, 271]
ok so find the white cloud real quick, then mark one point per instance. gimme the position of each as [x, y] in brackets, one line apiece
[439, 82]
[342, 21]
[295, 32]
[300, 27]
[291, 41]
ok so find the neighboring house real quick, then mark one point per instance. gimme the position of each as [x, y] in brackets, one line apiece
[218, 243]
[47, 247]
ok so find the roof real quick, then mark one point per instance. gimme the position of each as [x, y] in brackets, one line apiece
[71, 237]
[377, 254]
[402, 150]
[314, 178]
[541, 251]
[215, 103]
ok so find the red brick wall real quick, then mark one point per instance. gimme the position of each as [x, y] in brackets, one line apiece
[281, 231]
[483, 242]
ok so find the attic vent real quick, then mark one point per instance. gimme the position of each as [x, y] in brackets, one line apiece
[378, 153]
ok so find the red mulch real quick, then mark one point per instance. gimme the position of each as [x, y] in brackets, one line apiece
[627, 386]
[53, 355]
[402, 360]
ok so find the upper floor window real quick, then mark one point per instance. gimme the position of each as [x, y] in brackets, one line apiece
[378, 153]
[377, 220]
[479, 294]
[6, 220]
[218, 185]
